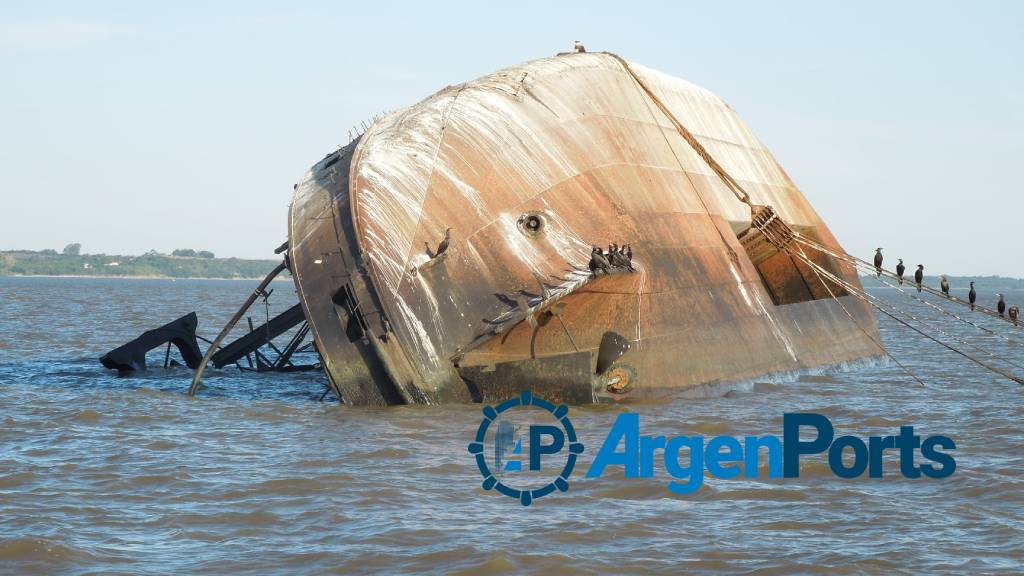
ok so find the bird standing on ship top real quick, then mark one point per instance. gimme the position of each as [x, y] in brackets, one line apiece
[577, 47]
[919, 276]
[972, 296]
[444, 243]
[545, 293]
[598, 262]
[900, 269]
[613, 259]
[442, 246]
[878, 262]
[1001, 305]
[944, 285]
[618, 259]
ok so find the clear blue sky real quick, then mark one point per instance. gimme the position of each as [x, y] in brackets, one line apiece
[128, 126]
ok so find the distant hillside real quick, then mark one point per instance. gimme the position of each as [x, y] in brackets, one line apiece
[50, 263]
[959, 282]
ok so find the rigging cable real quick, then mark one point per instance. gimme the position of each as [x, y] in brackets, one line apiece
[854, 320]
[868, 266]
[867, 298]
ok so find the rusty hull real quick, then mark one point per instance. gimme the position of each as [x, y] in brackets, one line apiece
[573, 141]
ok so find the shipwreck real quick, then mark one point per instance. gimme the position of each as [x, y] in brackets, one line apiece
[527, 169]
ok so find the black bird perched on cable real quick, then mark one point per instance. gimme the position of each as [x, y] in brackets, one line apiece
[972, 296]
[598, 262]
[919, 276]
[1001, 305]
[878, 262]
[900, 269]
[944, 285]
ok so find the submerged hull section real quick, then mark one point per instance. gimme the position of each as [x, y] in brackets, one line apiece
[529, 168]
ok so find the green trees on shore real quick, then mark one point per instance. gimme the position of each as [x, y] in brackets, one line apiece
[71, 262]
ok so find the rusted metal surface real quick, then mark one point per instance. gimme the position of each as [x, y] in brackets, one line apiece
[571, 141]
[563, 378]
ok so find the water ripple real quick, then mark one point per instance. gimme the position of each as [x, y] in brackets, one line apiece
[127, 475]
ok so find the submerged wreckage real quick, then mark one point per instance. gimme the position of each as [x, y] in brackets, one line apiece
[445, 254]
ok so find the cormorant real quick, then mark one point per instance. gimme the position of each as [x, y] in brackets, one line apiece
[444, 243]
[598, 261]
[613, 249]
[1001, 305]
[524, 309]
[1014, 313]
[878, 262]
[545, 293]
[944, 285]
[442, 246]
[629, 252]
[626, 263]
[900, 269]
[618, 259]
[919, 276]
[972, 296]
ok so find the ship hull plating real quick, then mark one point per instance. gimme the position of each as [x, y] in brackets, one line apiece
[530, 167]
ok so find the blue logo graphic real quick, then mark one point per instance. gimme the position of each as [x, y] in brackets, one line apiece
[687, 460]
[508, 447]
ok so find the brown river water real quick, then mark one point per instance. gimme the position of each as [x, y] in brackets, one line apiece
[100, 474]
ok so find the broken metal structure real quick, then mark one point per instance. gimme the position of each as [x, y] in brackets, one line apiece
[181, 333]
[256, 346]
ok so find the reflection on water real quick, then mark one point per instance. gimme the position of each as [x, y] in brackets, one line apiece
[128, 475]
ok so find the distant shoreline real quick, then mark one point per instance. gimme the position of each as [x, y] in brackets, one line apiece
[151, 265]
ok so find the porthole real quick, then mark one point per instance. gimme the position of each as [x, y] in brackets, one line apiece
[532, 223]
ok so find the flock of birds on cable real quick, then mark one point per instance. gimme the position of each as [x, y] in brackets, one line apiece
[972, 296]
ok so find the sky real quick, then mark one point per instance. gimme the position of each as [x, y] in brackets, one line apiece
[130, 126]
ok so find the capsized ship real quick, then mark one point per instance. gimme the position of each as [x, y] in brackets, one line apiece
[526, 170]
